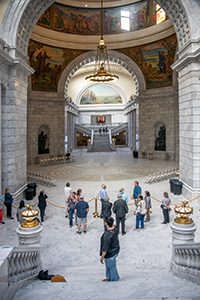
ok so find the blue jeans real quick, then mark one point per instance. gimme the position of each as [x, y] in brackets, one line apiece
[111, 268]
[139, 221]
[70, 216]
[166, 215]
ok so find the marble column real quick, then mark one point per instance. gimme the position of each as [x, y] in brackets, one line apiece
[68, 130]
[189, 123]
[72, 132]
[14, 128]
[129, 130]
[134, 129]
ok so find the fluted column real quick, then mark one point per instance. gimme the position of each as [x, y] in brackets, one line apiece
[134, 129]
[129, 130]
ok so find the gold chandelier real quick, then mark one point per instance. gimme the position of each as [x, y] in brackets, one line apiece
[102, 68]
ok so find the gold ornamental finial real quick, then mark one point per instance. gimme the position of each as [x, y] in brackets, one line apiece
[183, 212]
[30, 217]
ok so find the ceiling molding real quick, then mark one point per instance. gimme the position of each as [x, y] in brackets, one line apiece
[96, 4]
[124, 40]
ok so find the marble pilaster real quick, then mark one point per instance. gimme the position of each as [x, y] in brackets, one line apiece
[189, 121]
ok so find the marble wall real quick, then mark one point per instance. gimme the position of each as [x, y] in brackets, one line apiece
[160, 105]
[45, 109]
[117, 115]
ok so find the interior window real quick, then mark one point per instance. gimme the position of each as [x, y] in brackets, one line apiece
[125, 20]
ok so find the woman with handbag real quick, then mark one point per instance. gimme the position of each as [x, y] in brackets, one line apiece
[166, 201]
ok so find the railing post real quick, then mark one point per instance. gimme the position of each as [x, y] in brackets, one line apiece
[95, 213]
[29, 231]
[183, 228]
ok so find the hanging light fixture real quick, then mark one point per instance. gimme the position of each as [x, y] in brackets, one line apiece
[102, 68]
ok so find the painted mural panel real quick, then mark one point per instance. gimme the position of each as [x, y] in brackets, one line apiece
[48, 63]
[155, 60]
[100, 94]
[85, 21]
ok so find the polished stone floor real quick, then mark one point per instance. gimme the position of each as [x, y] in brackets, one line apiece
[144, 258]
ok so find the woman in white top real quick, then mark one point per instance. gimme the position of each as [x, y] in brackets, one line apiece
[140, 213]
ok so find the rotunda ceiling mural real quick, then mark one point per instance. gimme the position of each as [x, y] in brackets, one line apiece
[85, 21]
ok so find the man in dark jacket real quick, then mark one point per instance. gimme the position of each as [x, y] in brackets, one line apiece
[120, 209]
[106, 210]
[109, 250]
[42, 204]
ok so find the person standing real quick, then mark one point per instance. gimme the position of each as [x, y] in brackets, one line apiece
[166, 201]
[71, 206]
[120, 209]
[8, 200]
[140, 213]
[147, 200]
[79, 193]
[81, 211]
[42, 204]
[107, 211]
[102, 197]
[109, 250]
[67, 192]
[124, 195]
[136, 191]
[20, 209]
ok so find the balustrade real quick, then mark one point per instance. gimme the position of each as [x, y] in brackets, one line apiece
[186, 261]
[23, 264]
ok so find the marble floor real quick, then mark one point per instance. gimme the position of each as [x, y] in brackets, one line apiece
[145, 256]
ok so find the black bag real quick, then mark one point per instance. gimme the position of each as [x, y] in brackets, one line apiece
[43, 275]
[162, 206]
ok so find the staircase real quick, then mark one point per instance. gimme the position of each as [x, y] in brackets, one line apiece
[101, 143]
[119, 128]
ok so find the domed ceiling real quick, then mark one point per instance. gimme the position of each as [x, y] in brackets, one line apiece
[140, 30]
[85, 20]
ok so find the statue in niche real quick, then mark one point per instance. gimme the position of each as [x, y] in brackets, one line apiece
[43, 142]
[160, 141]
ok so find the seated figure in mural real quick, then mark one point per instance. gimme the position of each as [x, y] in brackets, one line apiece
[160, 142]
[42, 143]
